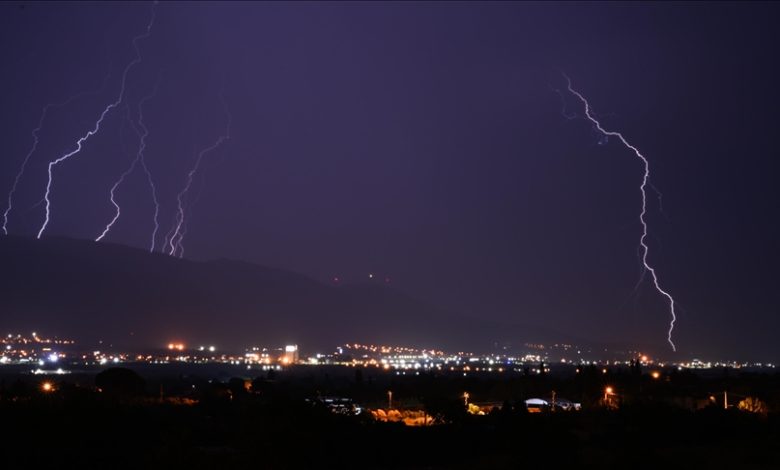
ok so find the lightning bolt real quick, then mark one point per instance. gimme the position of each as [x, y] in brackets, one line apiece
[185, 226]
[139, 158]
[643, 189]
[23, 166]
[80, 142]
[175, 237]
[117, 210]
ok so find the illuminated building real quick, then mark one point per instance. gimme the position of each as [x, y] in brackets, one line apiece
[290, 354]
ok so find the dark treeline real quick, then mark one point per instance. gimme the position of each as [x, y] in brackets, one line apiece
[119, 419]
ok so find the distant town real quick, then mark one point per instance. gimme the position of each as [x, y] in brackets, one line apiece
[369, 385]
[54, 355]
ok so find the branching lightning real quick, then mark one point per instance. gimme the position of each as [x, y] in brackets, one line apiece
[142, 132]
[175, 237]
[33, 148]
[643, 189]
[80, 142]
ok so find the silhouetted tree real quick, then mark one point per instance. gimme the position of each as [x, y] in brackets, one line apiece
[120, 382]
[636, 367]
[237, 387]
[445, 409]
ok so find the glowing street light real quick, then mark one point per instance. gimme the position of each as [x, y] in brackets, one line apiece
[655, 374]
[47, 387]
[607, 392]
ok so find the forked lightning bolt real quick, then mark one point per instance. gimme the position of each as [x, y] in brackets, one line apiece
[80, 142]
[175, 236]
[643, 189]
[142, 133]
[20, 173]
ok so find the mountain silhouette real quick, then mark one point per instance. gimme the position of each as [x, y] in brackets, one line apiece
[129, 297]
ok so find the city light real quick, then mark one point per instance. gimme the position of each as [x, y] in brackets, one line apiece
[39, 352]
[608, 391]
[47, 387]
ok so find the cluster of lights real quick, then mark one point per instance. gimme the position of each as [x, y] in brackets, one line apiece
[12, 339]
[401, 359]
[19, 349]
[59, 371]
[34, 349]
[372, 348]
[98, 357]
[698, 364]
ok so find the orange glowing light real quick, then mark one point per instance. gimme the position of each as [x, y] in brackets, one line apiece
[609, 390]
[655, 374]
[47, 387]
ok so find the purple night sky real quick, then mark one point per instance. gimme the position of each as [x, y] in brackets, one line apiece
[422, 142]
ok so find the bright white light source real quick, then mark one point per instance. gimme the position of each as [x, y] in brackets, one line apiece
[53, 357]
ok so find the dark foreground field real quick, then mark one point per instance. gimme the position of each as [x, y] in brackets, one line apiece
[270, 426]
